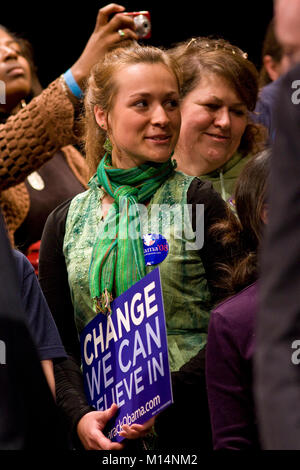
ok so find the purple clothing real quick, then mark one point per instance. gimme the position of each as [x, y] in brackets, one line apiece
[229, 353]
[264, 109]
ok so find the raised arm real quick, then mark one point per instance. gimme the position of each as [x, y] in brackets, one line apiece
[32, 136]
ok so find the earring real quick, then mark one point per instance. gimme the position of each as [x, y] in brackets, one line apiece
[107, 145]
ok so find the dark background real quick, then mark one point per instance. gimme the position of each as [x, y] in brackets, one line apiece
[60, 30]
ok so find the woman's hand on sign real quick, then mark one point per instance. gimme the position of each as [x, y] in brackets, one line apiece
[90, 430]
[136, 431]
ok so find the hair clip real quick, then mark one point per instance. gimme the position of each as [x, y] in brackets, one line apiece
[190, 42]
[217, 46]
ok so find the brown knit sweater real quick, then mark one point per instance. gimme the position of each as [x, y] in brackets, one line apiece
[29, 139]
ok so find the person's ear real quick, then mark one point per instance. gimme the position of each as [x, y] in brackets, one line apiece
[272, 67]
[101, 117]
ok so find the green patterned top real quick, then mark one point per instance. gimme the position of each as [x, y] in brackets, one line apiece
[187, 300]
[224, 178]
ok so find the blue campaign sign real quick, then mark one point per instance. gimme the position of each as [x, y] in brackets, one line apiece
[125, 356]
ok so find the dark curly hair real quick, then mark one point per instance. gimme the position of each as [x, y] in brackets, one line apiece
[244, 230]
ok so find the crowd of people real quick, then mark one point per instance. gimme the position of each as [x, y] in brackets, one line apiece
[130, 124]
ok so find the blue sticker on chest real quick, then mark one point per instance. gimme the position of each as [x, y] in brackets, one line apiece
[156, 248]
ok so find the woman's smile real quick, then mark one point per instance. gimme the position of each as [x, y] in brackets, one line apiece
[144, 122]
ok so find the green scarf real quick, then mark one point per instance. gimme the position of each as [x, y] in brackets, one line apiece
[118, 254]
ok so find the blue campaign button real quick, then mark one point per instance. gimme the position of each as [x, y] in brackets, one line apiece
[156, 248]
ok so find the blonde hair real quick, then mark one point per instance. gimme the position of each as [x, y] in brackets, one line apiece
[102, 89]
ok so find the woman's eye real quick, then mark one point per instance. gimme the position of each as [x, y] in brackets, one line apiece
[212, 106]
[172, 104]
[238, 112]
[17, 48]
[141, 104]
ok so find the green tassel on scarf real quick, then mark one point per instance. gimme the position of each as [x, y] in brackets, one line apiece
[118, 256]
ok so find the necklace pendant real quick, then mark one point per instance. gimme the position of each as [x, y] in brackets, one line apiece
[36, 181]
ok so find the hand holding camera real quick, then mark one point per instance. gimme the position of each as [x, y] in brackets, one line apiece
[110, 21]
[142, 23]
[112, 26]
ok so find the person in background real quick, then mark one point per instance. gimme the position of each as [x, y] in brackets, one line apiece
[38, 316]
[230, 342]
[277, 373]
[133, 100]
[30, 418]
[40, 131]
[273, 60]
[217, 136]
[274, 65]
